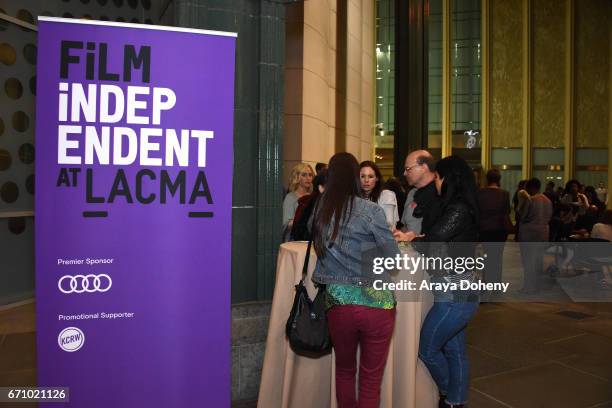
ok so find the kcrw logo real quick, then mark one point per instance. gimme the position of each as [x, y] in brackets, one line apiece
[71, 339]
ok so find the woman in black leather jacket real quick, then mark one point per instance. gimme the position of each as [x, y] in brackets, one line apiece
[454, 234]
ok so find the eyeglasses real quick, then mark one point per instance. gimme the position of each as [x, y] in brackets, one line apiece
[407, 169]
[306, 174]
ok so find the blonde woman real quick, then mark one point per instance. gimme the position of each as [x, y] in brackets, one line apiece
[300, 184]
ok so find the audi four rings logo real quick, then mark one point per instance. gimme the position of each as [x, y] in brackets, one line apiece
[85, 283]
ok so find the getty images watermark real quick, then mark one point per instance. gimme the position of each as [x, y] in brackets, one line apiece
[569, 271]
[471, 267]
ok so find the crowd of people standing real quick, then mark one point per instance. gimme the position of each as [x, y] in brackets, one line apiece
[346, 206]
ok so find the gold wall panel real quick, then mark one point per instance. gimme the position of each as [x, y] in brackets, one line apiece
[593, 19]
[548, 75]
[506, 73]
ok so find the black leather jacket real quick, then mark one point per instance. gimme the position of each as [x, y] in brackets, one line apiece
[457, 223]
[453, 234]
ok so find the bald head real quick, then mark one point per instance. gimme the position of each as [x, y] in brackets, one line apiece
[422, 156]
[418, 168]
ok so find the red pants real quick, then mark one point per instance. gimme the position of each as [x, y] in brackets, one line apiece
[370, 329]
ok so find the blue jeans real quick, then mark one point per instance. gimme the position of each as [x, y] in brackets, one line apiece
[442, 348]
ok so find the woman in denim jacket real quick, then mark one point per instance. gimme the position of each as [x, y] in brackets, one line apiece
[346, 229]
[442, 344]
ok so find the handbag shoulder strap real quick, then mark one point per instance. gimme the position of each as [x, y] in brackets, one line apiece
[305, 268]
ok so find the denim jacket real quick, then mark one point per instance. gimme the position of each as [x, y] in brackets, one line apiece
[364, 235]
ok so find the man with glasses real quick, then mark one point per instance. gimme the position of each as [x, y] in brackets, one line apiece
[421, 200]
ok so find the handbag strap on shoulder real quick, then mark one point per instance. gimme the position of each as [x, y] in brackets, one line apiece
[306, 259]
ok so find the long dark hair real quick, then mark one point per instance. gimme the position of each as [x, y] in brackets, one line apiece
[337, 201]
[458, 184]
[375, 193]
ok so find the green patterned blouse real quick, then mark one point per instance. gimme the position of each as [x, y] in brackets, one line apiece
[359, 295]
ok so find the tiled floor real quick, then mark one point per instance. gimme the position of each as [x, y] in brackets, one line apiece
[527, 355]
[523, 355]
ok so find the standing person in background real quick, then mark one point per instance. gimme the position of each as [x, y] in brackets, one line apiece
[371, 189]
[494, 225]
[300, 184]
[534, 229]
[519, 201]
[319, 167]
[442, 345]
[515, 198]
[551, 194]
[574, 197]
[422, 200]
[360, 316]
[602, 192]
[306, 205]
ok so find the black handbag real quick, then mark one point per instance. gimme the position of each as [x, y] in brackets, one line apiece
[306, 327]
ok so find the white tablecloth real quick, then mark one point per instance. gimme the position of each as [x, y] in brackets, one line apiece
[292, 381]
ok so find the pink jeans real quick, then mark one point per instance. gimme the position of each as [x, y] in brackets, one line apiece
[370, 329]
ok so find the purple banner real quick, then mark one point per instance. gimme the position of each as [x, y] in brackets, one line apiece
[134, 134]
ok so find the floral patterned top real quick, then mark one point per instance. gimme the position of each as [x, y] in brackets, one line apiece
[359, 295]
